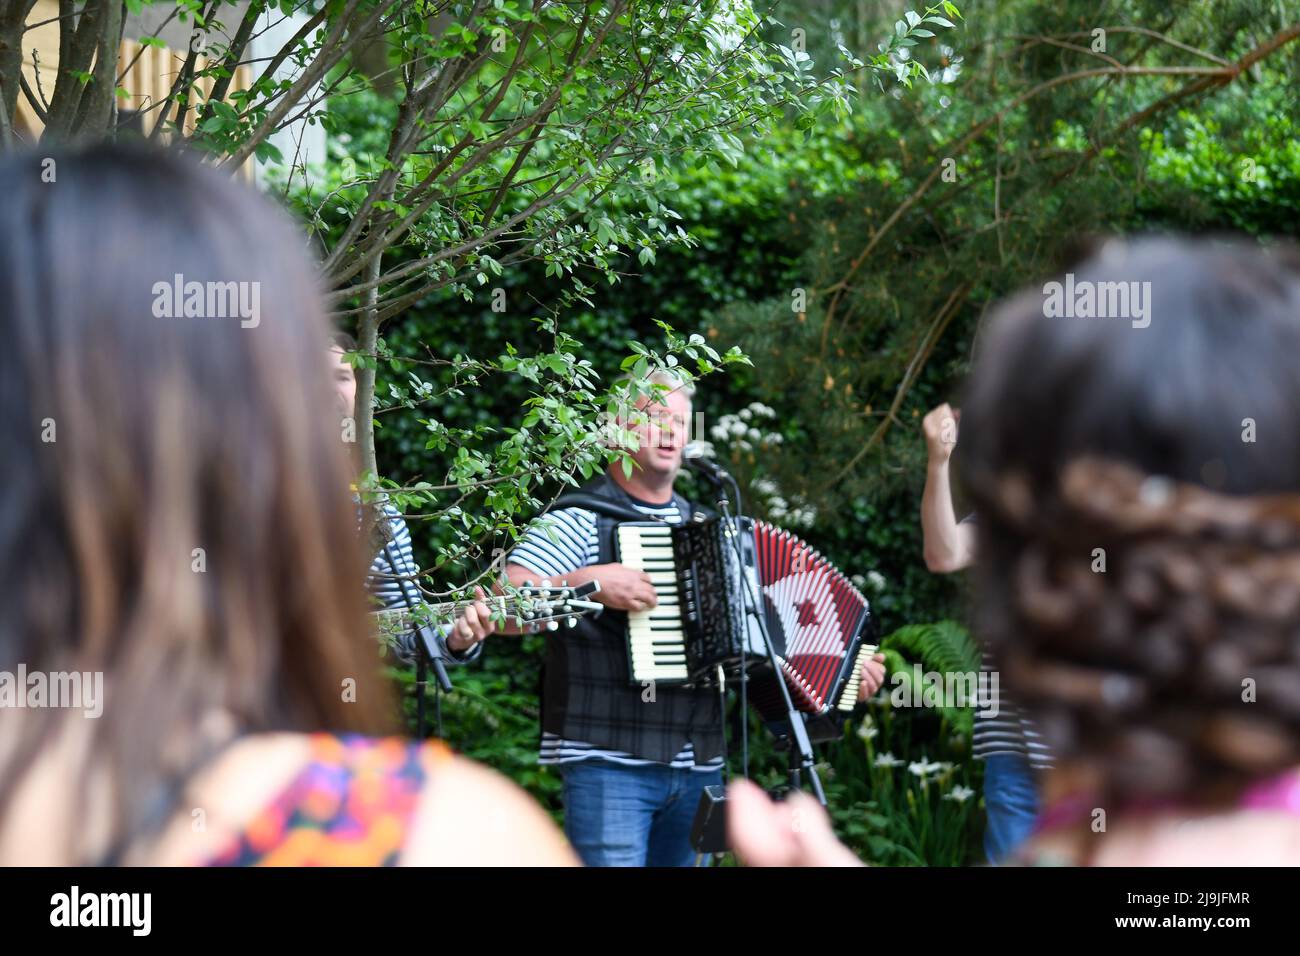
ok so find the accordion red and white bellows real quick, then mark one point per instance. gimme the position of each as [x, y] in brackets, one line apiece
[700, 631]
[817, 621]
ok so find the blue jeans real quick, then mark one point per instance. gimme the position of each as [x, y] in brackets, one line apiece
[1011, 802]
[616, 815]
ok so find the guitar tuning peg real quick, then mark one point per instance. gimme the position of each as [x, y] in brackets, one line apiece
[546, 584]
[552, 625]
[573, 621]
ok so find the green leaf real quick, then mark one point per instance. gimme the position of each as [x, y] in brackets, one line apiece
[266, 151]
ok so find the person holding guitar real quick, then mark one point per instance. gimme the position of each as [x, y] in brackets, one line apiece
[634, 759]
[393, 572]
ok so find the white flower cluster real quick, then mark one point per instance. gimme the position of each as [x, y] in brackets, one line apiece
[953, 68]
[742, 430]
[799, 516]
[925, 769]
[872, 582]
[748, 430]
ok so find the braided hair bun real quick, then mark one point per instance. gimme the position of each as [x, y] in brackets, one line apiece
[1137, 479]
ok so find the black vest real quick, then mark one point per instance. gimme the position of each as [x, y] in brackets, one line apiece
[587, 693]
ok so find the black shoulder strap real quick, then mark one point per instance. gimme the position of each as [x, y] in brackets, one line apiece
[601, 505]
[687, 509]
[612, 508]
[605, 528]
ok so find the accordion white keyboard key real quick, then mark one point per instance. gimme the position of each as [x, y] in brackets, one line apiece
[853, 683]
[655, 637]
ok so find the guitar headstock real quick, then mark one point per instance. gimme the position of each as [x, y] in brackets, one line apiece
[551, 605]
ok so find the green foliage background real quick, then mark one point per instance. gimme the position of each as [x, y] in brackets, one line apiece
[790, 215]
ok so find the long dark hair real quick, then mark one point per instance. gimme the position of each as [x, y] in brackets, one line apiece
[1138, 490]
[174, 505]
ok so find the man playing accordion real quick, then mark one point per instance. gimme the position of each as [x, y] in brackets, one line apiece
[634, 759]
[635, 756]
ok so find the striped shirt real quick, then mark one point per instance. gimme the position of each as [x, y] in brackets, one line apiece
[1010, 732]
[394, 567]
[560, 543]
[382, 583]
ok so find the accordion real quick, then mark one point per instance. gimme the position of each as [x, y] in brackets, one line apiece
[701, 572]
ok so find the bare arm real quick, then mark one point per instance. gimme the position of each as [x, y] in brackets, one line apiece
[472, 816]
[949, 545]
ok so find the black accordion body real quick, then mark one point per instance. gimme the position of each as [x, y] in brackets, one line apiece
[816, 618]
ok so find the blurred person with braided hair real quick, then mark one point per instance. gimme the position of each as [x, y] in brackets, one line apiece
[1138, 486]
[1138, 490]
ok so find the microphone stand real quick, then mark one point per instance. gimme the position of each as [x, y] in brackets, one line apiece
[801, 752]
[427, 654]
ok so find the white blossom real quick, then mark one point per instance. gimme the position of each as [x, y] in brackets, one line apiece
[923, 769]
[867, 729]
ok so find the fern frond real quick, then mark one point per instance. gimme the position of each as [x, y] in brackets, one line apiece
[944, 646]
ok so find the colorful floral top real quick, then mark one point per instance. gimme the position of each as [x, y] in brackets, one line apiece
[352, 805]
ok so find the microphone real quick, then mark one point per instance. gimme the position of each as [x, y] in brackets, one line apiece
[698, 456]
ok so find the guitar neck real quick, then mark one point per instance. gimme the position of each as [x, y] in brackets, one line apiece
[445, 612]
[533, 607]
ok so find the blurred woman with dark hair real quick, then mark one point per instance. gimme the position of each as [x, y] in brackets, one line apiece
[175, 516]
[1137, 478]
[1138, 484]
